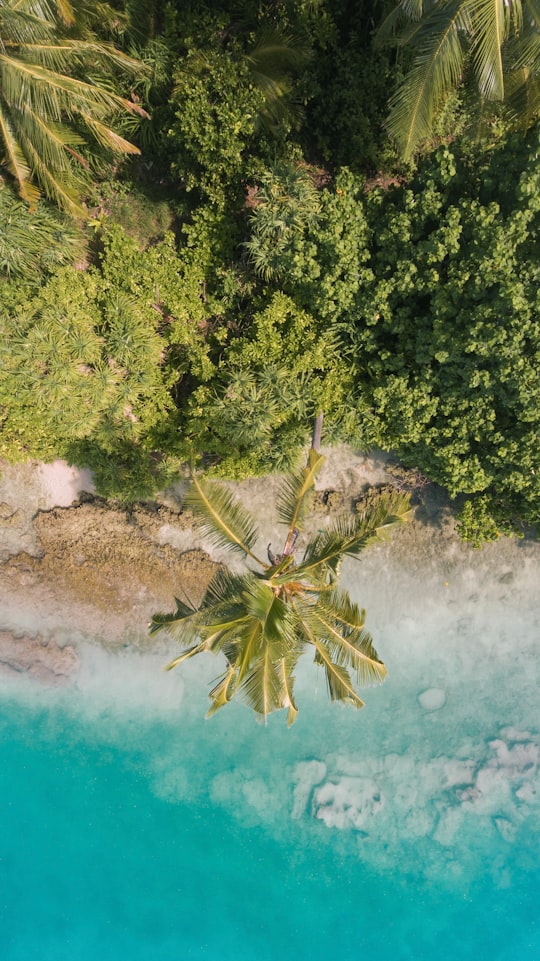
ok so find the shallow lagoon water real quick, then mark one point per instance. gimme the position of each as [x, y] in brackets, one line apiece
[134, 829]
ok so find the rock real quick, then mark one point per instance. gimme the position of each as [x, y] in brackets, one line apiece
[432, 699]
[349, 802]
[506, 829]
[42, 659]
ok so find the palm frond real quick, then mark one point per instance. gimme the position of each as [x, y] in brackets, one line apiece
[262, 688]
[294, 497]
[222, 519]
[60, 187]
[108, 137]
[354, 649]
[16, 161]
[45, 86]
[437, 70]
[224, 585]
[223, 692]
[350, 536]
[523, 97]
[345, 612]
[390, 508]
[185, 656]
[248, 649]
[393, 27]
[287, 682]
[490, 24]
[162, 621]
[338, 679]
[338, 625]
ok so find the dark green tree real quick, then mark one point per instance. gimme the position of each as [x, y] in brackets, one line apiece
[445, 334]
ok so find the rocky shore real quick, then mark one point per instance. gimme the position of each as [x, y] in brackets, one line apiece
[74, 567]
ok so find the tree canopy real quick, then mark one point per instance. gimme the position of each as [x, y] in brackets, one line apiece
[55, 109]
[268, 254]
[262, 621]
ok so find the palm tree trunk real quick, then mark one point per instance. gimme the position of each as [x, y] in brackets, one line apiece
[317, 431]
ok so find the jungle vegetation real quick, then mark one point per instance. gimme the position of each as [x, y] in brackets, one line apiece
[219, 218]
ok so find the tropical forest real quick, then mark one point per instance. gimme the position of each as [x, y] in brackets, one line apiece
[219, 219]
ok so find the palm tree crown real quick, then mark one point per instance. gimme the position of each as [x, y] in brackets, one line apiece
[262, 621]
[48, 108]
[492, 44]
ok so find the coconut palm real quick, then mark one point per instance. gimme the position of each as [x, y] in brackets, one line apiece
[492, 45]
[263, 620]
[53, 119]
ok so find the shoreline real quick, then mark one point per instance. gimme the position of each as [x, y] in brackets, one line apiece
[75, 568]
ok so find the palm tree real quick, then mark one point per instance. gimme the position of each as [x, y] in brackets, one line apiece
[263, 620]
[491, 45]
[48, 107]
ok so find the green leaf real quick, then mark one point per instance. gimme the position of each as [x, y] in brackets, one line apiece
[437, 70]
[294, 497]
[223, 692]
[222, 519]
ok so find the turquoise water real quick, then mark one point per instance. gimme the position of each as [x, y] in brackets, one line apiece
[133, 830]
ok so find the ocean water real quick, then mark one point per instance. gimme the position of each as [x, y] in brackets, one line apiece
[132, 829]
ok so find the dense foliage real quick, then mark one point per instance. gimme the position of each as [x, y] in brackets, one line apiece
[266, 256]
[446, 342]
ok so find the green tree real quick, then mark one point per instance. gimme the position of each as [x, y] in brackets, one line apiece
[492, 47]
[252, 411]
[444, 336]
[33, 242]
[54, 114]
[262, 621]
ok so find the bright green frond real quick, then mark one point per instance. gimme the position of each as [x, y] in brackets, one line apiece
[223, 692]
[222, 519]
[338, 625]
[16, 162]
[344, 611]
[437, 69]
[44, 87]
[287, 683]
[107, 137]
[490, 21]
[262, 688]
[350, 649]
[185, 656]
[294, 496]
[350, 536]
[338, 679]
[323, 556]
[59, 186]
